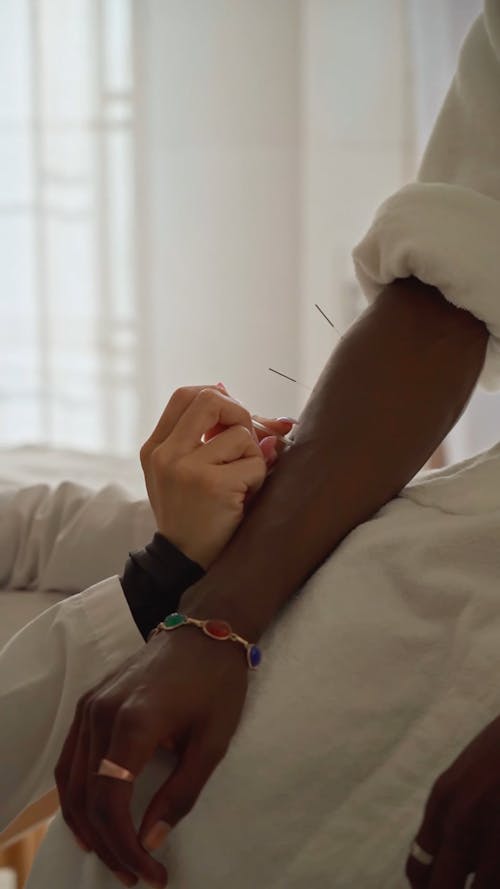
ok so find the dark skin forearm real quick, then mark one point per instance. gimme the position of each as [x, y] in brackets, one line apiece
[391, 391]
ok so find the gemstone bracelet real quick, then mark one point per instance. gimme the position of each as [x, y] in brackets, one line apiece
[216, 629]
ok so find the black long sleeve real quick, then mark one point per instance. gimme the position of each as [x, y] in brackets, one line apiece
[153, 581]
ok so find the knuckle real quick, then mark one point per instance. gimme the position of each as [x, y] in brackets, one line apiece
[180, 398]
[129, 718]
[101, 708]
[247, 418]
[442, 791]
[82, 706]
[161, 464]
[145, 453]
[244, 434]
[208, 397]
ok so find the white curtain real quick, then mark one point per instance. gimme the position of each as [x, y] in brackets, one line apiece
[68, 350]
[181, 182]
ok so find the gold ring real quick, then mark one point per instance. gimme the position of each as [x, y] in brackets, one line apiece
[111, 769]
[420, 854]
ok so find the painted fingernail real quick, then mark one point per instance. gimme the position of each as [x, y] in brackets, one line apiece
[271, 460]
[287, 420]
[268, 448]
[156, 836]
[126, 879]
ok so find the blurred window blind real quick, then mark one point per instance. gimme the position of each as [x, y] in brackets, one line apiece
[68, 350]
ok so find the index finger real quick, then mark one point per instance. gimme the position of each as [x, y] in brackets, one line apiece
[208, 409]
[178, 403]
[109, 800]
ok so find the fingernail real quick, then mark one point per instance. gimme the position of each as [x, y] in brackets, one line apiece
[222, 387]
[287, 420]
[156, 836]
[125, 878]
[268, 448]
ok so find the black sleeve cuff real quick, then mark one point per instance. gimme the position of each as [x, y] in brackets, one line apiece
[154, 580]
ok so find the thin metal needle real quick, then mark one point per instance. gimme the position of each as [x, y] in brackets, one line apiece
[292, 380]
[282, 375]
[325, 316]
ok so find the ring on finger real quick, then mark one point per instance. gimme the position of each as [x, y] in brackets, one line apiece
[110, 769]
[420, 854]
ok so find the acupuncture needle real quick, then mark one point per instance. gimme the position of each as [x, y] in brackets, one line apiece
[258, 425]
[279, 373]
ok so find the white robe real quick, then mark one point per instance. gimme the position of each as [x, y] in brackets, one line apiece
[444, 228]
[388, 661]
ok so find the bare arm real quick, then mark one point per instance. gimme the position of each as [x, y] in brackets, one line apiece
[392, 389]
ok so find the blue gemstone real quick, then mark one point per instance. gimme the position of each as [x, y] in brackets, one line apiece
[255, 656]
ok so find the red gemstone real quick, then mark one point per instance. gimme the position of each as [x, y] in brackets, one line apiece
[218, 629]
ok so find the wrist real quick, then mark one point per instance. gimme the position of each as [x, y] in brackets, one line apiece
[204, 600]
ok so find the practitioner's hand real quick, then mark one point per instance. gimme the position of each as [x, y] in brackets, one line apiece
[183, 691]
[199, 489]
[461, 825]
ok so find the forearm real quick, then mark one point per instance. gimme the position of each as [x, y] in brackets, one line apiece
[393, 388]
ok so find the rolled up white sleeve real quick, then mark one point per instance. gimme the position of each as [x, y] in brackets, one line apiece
[444, 228]
[44, 670]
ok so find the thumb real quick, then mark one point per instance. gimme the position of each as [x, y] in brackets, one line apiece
[179, 793]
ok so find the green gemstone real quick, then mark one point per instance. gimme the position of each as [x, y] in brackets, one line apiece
[174, 620]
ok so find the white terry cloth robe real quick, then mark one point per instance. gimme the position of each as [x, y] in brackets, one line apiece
[445, 228]
[387, 662]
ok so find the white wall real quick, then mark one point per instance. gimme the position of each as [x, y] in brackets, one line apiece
[268, 134]
[357, 149]
[219, 178]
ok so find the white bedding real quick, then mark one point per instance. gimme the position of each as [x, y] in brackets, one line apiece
[30, 474]
[373, 679]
